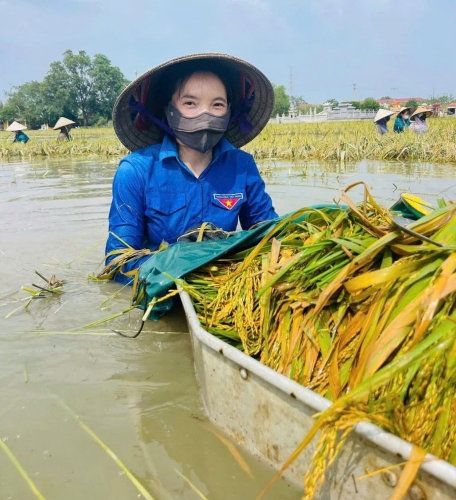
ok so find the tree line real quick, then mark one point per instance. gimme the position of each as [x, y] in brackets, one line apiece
[79, 87]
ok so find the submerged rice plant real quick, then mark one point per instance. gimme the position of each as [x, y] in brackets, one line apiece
[85, 142]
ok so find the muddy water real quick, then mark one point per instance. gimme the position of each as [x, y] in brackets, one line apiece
[139, 397]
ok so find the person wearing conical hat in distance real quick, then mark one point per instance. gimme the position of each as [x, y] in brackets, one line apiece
[402, 120]
[21, 136]
[63, 124]
[184, 122]
[18, 131]
[381, 119]
[419, 124]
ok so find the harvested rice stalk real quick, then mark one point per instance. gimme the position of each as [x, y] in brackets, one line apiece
[350, 306]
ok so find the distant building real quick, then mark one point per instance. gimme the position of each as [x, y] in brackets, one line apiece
[398, 102]
[344, 112]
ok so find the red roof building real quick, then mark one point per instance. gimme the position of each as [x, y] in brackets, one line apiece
[398, 101]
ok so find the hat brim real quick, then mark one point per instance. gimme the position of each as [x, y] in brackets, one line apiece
[383, 113]
[401, 110]
[16, 127]
[63, 122]
[419, 111]
[258, 115]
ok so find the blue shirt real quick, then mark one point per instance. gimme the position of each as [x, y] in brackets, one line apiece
[21, 137]
[400, 124]
[156, 197]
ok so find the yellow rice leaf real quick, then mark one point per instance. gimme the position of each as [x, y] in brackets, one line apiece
[353, 266]
[234, 451]
[334, 376]
[409, 473]
[398, 269]
[440, 288]
[21, 470]
[392, 337]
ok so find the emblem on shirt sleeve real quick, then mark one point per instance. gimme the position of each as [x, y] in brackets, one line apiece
[228, 200]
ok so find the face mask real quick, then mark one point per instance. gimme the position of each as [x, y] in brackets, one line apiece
[406, 116]
[201, 132]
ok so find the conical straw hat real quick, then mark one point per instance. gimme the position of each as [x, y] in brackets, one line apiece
[383, 113]
[422, 109]
[63, 122]
[15, 126]
[135, 132]
[403, 109]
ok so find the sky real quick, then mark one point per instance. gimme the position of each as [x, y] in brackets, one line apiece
[399, 48]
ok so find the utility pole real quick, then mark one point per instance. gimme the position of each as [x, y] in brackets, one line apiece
[291, 81]
[354, 91]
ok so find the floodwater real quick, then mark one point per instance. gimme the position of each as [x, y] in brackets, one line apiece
[65, 393]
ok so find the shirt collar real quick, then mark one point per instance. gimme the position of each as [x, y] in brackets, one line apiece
[168, 148]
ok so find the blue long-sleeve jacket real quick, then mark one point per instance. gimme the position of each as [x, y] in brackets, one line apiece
[21, 137]
[157, 198]
[400, 124]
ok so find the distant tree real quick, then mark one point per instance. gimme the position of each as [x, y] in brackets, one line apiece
[297, 101]
[10, 113]
[356, 104]
[281, 100]
[76, 85]
[60, 97]
[7, 112]
[386, 97]
[444, 99]
[91, 85]
[370, 104]
[306, 108]
[28, 102]
[109, 82]
[333, 103]
[412, 103]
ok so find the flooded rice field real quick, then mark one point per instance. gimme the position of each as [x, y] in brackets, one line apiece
[68, 392]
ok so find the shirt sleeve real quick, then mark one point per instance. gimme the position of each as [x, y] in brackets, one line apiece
[398, 125]
[127, 216]
[258, 207]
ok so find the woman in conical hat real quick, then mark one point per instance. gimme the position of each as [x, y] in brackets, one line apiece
[184, 121]
[18, 131]
[402, 120]
[420, 125]
[381, 119]
[63, 125]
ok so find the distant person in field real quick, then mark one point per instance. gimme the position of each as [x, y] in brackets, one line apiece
[64, 124]
[381, 119]
[419, 124]
[402, 121]
[20, 136]
[64, 135]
